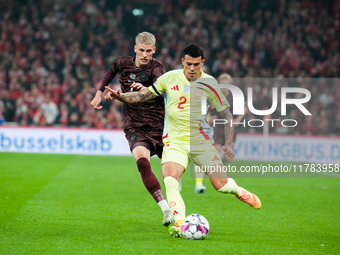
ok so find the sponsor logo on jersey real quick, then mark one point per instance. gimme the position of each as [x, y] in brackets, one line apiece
[215, 158]
[133, 137]
[143, 76]
[175, 88]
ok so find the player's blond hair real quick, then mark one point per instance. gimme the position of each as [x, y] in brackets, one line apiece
[146, 38]
[225, 76]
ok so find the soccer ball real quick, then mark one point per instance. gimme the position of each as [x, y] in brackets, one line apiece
[195, 227]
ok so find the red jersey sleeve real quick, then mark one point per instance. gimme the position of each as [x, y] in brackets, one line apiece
[110, 75]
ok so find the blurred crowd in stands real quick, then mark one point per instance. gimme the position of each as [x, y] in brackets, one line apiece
[54, 54]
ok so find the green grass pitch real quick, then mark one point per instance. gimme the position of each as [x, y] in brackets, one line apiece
[72, 204]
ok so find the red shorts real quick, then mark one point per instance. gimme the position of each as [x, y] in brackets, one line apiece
[148, 138]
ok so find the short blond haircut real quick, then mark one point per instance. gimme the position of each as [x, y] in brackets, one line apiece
[225, 76]
[146, 38]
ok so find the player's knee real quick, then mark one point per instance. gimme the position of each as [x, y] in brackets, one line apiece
[143, 164]
[171, 170]
[173, 174]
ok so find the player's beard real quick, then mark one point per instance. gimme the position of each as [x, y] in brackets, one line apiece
[193, 78]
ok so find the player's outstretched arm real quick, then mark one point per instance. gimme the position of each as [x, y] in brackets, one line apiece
[130, 97]
[229, 132]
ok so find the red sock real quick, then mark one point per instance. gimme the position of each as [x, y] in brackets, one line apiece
[150, 181]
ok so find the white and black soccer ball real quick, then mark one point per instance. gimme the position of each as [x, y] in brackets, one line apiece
[195, 227]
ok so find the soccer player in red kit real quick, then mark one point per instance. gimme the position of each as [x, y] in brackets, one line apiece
[144, 122]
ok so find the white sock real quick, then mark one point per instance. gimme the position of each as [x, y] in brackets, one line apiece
[230, 187]
[199, 185]
[174, 198]
[163, 205]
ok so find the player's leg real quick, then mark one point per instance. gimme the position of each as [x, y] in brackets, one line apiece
[172, 173]
[199, 175]
[228, 186]
[175, 159]
[203, 154]
[199, 187]
[221, 182]
[141, 154]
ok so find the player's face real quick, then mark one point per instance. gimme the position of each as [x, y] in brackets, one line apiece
[144, 54]
[192, 67]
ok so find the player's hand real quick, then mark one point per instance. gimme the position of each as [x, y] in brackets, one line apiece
[229, 151]
[96, 102]
[112, 94]
[137, 86]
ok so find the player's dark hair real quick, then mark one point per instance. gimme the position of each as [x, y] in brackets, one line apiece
[193, 51]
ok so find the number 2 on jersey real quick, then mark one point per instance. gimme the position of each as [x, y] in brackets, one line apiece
[182, 102]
